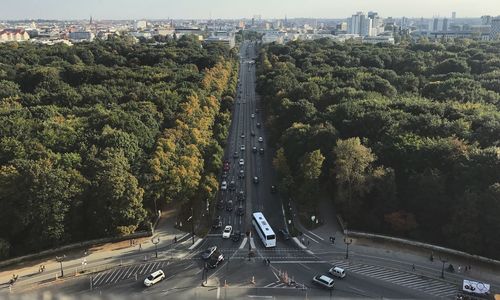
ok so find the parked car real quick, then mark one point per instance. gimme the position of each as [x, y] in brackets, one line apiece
[337, 272]
[208, 252]
[285, 234]
[236, 236]
[223, 186]
[229, 205]
[217, 223]
[324, 281]
[154, 278]
[215, 259]
[227, 232]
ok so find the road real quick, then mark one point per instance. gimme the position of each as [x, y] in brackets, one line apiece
[240, 275]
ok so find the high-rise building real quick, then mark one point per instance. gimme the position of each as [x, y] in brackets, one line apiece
[435, 24]
[359, 24]
[445, 24]
[486, 20]
[495, 28]
[453, 15]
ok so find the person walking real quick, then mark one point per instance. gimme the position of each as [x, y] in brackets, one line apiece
[140, 246]
[413, 267]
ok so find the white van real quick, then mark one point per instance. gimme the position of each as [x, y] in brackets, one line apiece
[338, 272]
[154, 278]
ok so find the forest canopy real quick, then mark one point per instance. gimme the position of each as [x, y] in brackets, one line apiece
[406, 137]
[94, 138]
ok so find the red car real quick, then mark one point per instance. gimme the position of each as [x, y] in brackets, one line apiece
[226, 166]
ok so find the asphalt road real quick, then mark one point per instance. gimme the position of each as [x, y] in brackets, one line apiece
[243, 276]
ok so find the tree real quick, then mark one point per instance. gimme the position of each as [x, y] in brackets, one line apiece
[352, 166]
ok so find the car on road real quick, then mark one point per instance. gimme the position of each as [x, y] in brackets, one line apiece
[241, 196]
[226, 166]
[252, 133]
[229, 205]
[154, 278]
[236, 236]
[208, 252]
[337, 272]
[242, 147]
[240, 211]
[242, 162]
[258, 125]
[324, 281]
[220, 204]
[273, 189]
[235, 155]
[223, 185]
[255, 179]
[227, 232]
[241, 175]
[261, 150]
[242, 135]
[215, 259]
[217, 222]
[261, 139]
[224, 175]
[286, 235]
[232, 185]
[254, 149]
[252, 116]
[256, 110]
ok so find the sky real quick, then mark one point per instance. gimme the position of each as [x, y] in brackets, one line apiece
[227, 9]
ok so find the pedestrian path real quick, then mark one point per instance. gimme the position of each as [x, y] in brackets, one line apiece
[427, 285]
[122, 273]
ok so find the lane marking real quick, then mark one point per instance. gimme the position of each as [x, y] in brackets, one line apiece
[304, 266]
[218, 293]
[312, 239]
[316, 235]
[243, 243]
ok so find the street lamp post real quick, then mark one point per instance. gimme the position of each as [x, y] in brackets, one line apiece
[60, 259]
[347, 242]
[155, 242]
[443, 260]
[192, 224]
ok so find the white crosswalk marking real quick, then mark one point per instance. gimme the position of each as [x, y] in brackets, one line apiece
[429, 286]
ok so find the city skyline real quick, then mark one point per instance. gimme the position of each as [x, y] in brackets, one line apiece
[225, 9]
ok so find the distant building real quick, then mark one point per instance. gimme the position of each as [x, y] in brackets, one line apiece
[486, 20]
[81, 36]
[139, 25]
[378, 39]
[359, 24]
[453, 16]
[13, 35]
[223, 40]
[495, 28]
[445, 24]
[435, 24]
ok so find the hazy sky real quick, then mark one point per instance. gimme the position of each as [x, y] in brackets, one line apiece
[203, 9]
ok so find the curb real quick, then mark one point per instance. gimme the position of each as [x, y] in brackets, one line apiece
[195, 244]
[298, 243]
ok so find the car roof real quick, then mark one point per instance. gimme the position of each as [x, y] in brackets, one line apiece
[155, 273]
[338, 269]
[325, 278]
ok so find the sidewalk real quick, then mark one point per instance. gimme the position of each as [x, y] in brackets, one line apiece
[96, 257]
[393, 255]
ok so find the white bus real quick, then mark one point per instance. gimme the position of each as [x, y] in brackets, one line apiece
[264, 230]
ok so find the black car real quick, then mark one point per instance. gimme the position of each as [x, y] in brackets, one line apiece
[236, 236]
[256, 179]
[285, 234]
[235, 155]
[241, 196]
[258, 125]
[208, 252]
[232, 185]
[215, 259]
[261, 150]
[240, 211]
[217, 223]
[220, 204]
[229, 205]
[254, 149]
[273, 189]
[241, 175]
[252, 133]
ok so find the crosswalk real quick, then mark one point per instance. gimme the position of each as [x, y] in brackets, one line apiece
[429, 286]
[122, 273]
